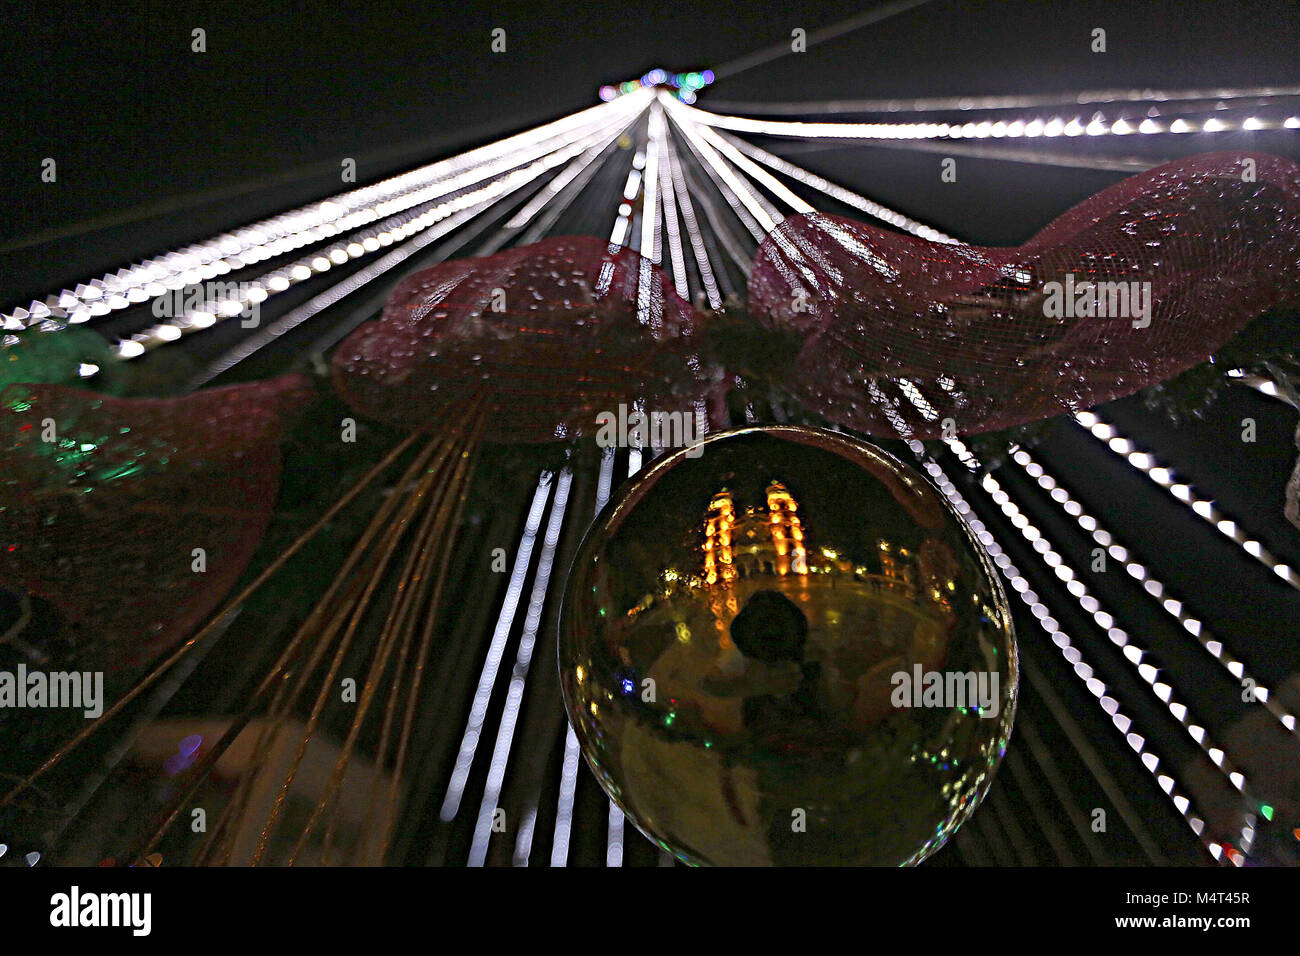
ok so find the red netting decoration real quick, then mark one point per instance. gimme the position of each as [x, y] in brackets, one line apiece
[1139, 282]
[556, 332]
[103, 502]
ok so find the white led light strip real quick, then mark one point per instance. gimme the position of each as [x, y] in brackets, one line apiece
[837, 192]
[1015, 101]
[1072, 655]
[757, 217]
[651, 246]
[668, 205]
[1037, 127]
[1132, 652]
[649, 249]
[698, 248]
[340, 290]
[1164, 477]
[519, 676]
[572, 752]
[351, 247]
[754, 171]
[322, 220]
[1171, 606]
[649, 243]
[631, 189]
[496, 650]
[1018, 154]
[798, 205]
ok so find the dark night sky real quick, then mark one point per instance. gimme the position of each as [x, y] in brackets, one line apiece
[260, 121]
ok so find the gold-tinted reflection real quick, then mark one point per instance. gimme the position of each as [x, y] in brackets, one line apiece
[731, 643]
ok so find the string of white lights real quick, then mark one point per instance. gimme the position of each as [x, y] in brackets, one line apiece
[1134, 653]
[572, 752]
[668, 206]
[631, 189]
[283, 233]
[757, 218]
[648, 250]
[232, 302]
[1013, 101]
[614, 840]
[523, 846]
[837, 192]
[1021, 154]
[698, 248]
[1036, 127]
[739, 166]
[1150, 585]
[653, 171]
[651, 248]
[1073, 656]
[564, 803]
[570, 177]
[554, 188]
[1200, 506]
[496, 650]
[1149, 760]
[755, 172]
[315, 223]
[519, 676]
[717, 215]
[652, 176]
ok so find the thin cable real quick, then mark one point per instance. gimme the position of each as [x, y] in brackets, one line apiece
[777, 50]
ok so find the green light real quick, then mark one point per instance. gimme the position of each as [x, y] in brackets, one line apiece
[1267, 811]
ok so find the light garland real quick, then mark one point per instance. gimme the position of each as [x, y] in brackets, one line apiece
[496, 650]
[1037, 127]
[1014, 101]
[1148, 759]
[1150, 585]
[270, 238]
[396, 229]
[839, 193]
[1200, 506]
[519, 675]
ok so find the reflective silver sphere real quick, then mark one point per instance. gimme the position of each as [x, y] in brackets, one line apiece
[781, 646]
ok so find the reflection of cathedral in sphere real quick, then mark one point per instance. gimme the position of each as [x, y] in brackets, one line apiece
[740, 643]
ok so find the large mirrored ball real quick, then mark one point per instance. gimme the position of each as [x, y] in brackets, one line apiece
[779, 646]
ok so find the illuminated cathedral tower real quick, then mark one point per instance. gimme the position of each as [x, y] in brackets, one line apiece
[762, 539]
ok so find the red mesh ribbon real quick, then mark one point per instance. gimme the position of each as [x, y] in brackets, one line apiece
[555, 332]
[103, 501]
[900, 333]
